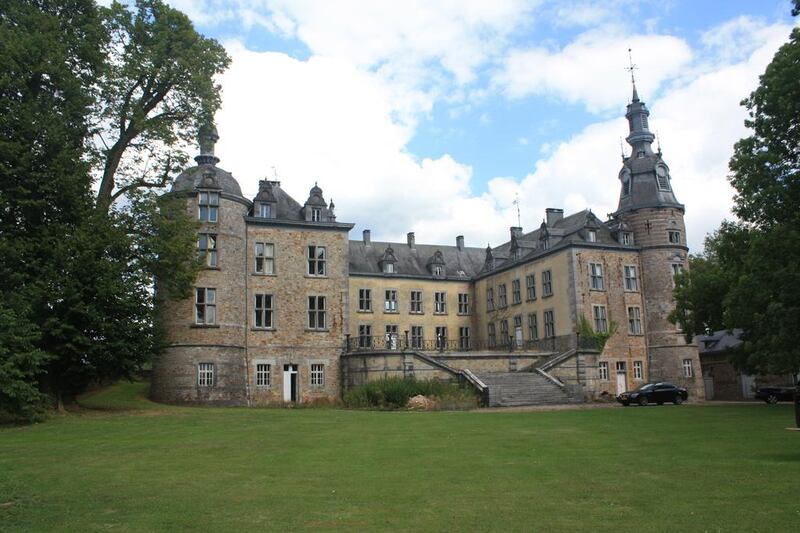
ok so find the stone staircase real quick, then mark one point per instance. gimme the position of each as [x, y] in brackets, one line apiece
[524, 388]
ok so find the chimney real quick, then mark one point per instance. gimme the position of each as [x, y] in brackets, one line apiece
[410, 237]
[553, 215]
[460, 242]
[367, 241]
[516, 231]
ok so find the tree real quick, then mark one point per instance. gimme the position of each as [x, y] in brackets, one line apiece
[748, 277]
[157, 89]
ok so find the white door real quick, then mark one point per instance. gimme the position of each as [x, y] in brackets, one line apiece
[290, 385]
[622, 385]
[518, 336]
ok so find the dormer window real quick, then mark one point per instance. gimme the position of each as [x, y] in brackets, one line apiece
[592, 235]
[438, 270]
[388, 268]
[264, 211]
[626, 238]
[316, 214]
[662, 178]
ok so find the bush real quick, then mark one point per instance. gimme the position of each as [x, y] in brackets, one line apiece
[394, 393]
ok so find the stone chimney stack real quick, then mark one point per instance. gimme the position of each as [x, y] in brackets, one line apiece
[410, 238]
[553, 215]
[367, 238]
[460, 242]
[516, 231]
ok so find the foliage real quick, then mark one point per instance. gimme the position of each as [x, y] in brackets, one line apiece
[394, 393]
[157, 89]
[748, 277]
[600, 337]
[20, 364]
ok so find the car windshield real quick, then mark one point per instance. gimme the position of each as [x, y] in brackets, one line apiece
[645, 387]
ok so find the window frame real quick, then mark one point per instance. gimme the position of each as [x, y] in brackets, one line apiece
[365, 335]
[317, 379]
[530, 287]
[317, 266]
[463, 303]
[631, 278]
[416, 302]
[211, 206]
[602, 371]
[547, 283]
[317, 311]
[206, 306]
[205, 374]
[491, 334]
[516, 292]
[549, 316]
[596, 281]
[263, 376]
[674, 236]
[390, 301]
[600, 318]
[464, 338]
[635, 320]
[264, 262]
[489, 299]
[208, 254]
[417, 337]
[638, 370]
[502, 296]
[440, 306]
[533, 327]
[364, 300]
[688, 368]
[266, 311]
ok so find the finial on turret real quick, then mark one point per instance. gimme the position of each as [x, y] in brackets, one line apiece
[622, 150]
[658, 143]
[630, 68]
[207, 138]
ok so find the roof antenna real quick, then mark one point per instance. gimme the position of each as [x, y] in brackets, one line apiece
[516, 203]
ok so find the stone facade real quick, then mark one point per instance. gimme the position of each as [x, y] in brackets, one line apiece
[301, 312]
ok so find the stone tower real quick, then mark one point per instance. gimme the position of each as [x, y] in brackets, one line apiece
[653, 221]
[206, 333]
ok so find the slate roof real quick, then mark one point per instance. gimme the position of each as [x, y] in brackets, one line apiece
[191, 178]
[286, 207]
[719, 341]
[459, 264]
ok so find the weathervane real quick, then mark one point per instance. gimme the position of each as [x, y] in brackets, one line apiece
[631, 67]
[516, 203]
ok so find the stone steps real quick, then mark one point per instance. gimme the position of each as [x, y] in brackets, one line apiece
[523, 388]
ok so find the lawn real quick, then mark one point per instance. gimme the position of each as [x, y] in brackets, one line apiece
[150, 468]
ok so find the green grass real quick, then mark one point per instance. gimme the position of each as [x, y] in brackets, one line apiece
[687, 468]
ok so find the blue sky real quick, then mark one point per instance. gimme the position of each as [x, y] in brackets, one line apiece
[431, 116]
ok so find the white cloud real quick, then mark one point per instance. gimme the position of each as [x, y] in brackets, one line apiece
[588, 70]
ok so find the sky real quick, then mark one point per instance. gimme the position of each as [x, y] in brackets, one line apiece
[432, 116]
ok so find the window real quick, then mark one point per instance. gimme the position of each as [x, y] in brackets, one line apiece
[463, 303]
[626, 237]
[492, 335]
[264, 211]
[441, 337]
[416, 302]
[365, 300]
[416, 337]
[316, 214]
[208, 206]
[364, 336]
[391, 336]
[631, 282]
[547, 283]
[205, 305]
[317, 375]
[263, 375]
[600, 320]
[602, 370]
[205, 374]
[530, 285]
[264, 311]
[677, 268]
[674, 237]
[592, 235]
[503, 332]
[501, 293]
[549, 324]
[518, 330]
[316, 312]
[388, 268]
[316, 260]
[489, 299]
[596, 272]
[533, 327]
[638, 370]
[390, 301]
[688, 371]
[438, 271]
[440, 302]
[265, 258]
[516, 294]
[207, 249]
[634, 321]
[463, 338]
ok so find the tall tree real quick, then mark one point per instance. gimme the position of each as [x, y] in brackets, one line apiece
[750, 267]
[158, 88]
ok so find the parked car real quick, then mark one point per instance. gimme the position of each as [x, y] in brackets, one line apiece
[775, 394]
[659, 393]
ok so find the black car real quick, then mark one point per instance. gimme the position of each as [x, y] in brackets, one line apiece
[659, 393]
[775, 394]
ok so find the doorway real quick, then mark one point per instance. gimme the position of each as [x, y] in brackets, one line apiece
[622, 377]
[290, 383]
